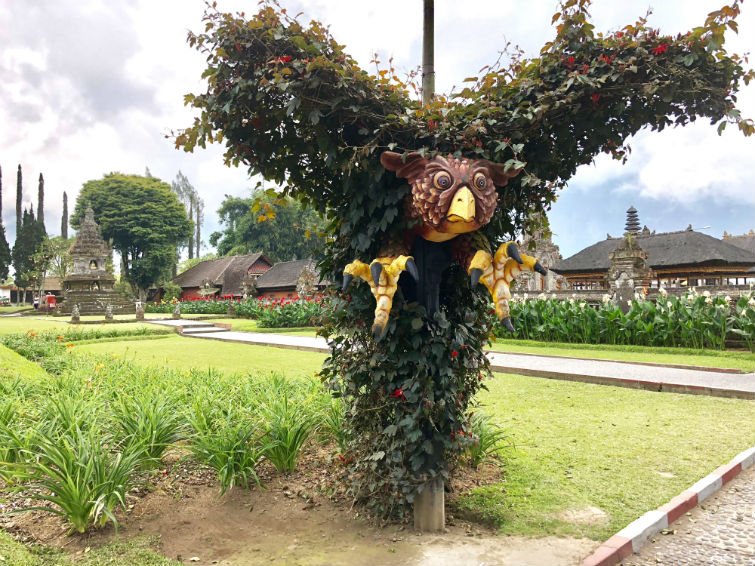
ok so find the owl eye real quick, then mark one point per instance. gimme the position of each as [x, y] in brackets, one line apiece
[442, 181]
[480, 180]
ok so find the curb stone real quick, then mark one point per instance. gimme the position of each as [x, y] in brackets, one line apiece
[631, 538]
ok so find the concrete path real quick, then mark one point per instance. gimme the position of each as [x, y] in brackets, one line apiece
[719, 531]
[655, 377]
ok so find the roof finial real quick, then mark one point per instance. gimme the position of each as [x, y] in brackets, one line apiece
[633, 221]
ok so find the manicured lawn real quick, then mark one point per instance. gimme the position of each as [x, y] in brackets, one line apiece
[622, 450]
[12, 309]
[229, 357]
[712, 358]
[11, 325]
[15, 365]
[249, 325]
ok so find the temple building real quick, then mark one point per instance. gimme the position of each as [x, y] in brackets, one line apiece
[686, 258]
[90, 284]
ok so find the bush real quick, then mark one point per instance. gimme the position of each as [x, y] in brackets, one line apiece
[229, 446]
[692, 321]
[79, 476]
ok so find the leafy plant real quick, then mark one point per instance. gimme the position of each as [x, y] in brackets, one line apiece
[334, 425]
[79, 476]
[288, 423]
[150, 420]
[484, 440]
[230, 447]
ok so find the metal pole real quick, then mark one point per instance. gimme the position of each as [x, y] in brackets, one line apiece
[428, 52]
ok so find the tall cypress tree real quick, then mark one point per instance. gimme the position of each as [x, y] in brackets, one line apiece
[19, 196]
[64, 218]
[5, 257]
[41, 200]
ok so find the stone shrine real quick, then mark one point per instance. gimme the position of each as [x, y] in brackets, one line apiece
[629, 272]
[89, 285]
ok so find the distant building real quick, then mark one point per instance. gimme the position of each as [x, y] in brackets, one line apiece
[223, 276]
[540, 245]
[288, 278]
[686, 258]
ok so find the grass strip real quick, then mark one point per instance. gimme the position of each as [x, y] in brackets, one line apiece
[15, 365]
[624, 451]
[741, 360]
[194, 353]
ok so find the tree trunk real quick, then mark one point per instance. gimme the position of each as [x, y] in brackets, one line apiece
[199, 227]
[191, 238]
[428, 53]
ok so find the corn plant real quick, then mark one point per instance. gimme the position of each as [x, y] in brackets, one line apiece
[484, 439]
[82, 479]
[149, 420]
[229, 446]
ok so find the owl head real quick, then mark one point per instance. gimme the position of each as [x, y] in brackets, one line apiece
[448, 194]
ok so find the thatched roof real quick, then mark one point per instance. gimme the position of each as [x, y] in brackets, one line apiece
[685, 248]
[284, 275]
[224, 272]
[745, 241]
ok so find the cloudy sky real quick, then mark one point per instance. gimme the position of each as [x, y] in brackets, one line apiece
[91, 87]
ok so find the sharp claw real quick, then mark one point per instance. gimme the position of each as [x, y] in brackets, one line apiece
[376, 269]
[411, 267]
[474, 277]
[540, 269]
[513, 252]
[506, 323]
[377, 331]
[347, 278]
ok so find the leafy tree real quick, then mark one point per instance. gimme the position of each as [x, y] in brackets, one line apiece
[60, 261]
[25, 258]
[291, 105]
[143, 220]
[5, 255]
[280, 227]
[194, 204]
[64, 218]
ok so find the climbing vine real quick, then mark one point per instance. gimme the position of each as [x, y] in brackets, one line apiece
[290, 104]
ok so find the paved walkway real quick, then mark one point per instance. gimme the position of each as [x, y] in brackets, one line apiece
[625, 374]
[719, 531]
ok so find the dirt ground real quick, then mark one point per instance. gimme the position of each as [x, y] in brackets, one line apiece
[292, 520]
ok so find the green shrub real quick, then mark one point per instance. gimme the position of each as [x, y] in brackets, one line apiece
[484, 439]
[229, 446]
[79, 476]
[692, 321]
[288, 420]
[149, 420]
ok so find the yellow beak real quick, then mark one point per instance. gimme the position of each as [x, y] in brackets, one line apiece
[463, 206]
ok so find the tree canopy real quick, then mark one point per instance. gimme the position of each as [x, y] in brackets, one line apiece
[143, 220]
[290, 104]
[280, 227]
[29, 242]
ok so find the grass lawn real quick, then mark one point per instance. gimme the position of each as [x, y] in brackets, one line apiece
[15, 365]
[140, 550]
[624, 451]
[12, 309]
[229, 357]
[11, 325]
[713, 358]
[249, 325]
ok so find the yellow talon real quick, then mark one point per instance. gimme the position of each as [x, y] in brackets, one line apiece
[382, 275]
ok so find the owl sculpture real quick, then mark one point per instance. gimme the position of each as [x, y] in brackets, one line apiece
[450, 200]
